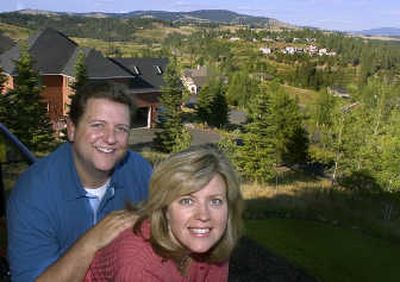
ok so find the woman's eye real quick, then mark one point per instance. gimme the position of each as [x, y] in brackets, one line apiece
[186, 201]
[217, 202]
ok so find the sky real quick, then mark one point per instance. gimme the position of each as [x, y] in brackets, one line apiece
[340, 15]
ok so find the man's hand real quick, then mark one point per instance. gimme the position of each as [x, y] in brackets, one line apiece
[73, 265]
[108, 229]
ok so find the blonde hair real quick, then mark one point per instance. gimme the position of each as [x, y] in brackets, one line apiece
[183, 173]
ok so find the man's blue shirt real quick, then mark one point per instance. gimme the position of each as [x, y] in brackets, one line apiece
[48, 209]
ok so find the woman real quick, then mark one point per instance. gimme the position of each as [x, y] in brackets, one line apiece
[187, 228]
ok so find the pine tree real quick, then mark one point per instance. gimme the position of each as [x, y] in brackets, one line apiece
[241, 89]
[26, 114]
[80, 73]
[80, 78]
[173, 136]
[291, 138]
[256, 158]
[212, 106]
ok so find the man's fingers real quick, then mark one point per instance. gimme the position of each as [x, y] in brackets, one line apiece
[119, 220]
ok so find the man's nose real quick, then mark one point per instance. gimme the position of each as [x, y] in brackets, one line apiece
[109, 136]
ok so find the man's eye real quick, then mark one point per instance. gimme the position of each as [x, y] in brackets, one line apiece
[186, 201]
[96, 125]
[122, 129]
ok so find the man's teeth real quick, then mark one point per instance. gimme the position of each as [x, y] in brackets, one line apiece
[105, 150]
[200, 230]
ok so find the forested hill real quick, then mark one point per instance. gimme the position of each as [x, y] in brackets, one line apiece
[211, 16]
[200, 16]
[122, 27]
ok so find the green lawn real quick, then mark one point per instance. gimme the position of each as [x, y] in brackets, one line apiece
[329, 253]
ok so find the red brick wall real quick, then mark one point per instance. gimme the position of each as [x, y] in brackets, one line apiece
[56, 92]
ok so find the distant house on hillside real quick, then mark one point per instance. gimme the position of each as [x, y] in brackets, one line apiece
[265, 50]
[338, 91]
[195, 79]
[55, 56]
[234, 39]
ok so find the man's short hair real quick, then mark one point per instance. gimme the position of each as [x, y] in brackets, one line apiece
[113, 91]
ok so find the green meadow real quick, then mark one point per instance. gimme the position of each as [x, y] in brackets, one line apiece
[329, 253]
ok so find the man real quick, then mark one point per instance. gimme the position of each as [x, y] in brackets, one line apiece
[67, 206]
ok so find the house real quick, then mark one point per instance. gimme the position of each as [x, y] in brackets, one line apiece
[312, 49]
[265, 50]
[55, 56]
[147, 87]
[234, 39]
[326, 52]
[322, 52]
[338, 91]
[195, 79]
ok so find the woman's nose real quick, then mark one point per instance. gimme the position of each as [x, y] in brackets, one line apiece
[203, 212]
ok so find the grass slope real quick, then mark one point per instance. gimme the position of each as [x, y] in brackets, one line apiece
[14, 32]
[329, 253]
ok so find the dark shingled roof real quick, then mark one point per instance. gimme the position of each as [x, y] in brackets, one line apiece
[54, 53]
[7, 59]
[100, 67]
[151, 70]
[50, 50]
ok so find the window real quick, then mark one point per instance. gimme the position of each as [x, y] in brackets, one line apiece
[158, 69]
[136, 70]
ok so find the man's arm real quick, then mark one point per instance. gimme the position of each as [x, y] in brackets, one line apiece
[73, 265]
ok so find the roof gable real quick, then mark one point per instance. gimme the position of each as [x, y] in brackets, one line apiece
[100, 67]
[50, 50]
[150, 70]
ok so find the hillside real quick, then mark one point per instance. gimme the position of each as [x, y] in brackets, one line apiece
[383, 31]
[200, 16]
[15, 32]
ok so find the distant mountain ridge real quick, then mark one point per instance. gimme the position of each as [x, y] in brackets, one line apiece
[204, 16]
[382, 31]
[200, 16]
